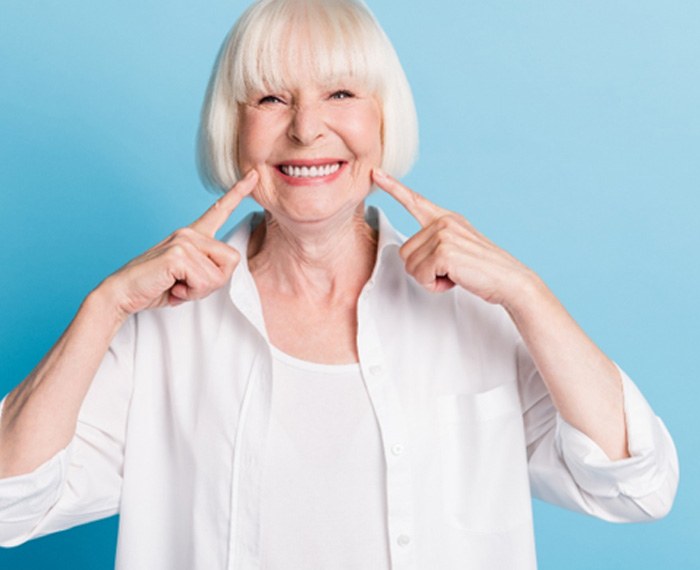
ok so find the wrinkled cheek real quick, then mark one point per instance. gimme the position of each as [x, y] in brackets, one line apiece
[264, 193]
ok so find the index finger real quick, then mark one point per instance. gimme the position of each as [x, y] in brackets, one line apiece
[419, 206]
[215, 217]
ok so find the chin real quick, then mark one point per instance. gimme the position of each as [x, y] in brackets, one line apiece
[313, 203]
[310, 211]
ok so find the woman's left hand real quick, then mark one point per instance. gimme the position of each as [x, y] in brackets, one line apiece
[449, 251]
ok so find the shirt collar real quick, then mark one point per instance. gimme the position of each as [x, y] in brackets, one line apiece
[243, 291]
[239, 236]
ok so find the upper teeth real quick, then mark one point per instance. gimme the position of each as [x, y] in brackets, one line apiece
[310, 172]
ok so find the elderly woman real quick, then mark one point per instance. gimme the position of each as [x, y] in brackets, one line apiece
[316, 391]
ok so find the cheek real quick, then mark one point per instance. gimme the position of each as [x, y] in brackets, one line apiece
[254, 140]
[265, 191]
[366, 133]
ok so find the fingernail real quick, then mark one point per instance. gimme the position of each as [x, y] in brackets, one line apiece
[379, 173]
[250, 174]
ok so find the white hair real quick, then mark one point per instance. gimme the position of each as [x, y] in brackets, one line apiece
[337, 39]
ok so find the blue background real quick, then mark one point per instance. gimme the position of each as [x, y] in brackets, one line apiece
[567, 131]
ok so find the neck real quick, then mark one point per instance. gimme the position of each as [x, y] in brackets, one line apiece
[319, 260]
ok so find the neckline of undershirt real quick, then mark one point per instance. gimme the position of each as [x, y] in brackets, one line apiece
[309, 366]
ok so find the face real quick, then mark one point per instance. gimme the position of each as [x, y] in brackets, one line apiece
[313, 146]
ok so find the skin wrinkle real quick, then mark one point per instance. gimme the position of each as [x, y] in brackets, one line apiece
[310, 269]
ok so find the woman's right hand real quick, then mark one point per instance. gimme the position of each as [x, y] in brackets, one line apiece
[189, 264]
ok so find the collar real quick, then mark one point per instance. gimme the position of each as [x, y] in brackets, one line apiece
[239, 236]
[243, 291]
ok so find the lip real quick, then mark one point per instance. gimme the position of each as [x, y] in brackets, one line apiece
[316, 180]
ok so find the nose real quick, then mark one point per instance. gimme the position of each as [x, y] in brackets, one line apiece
[306, 126]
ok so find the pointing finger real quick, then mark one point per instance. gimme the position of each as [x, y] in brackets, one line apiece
[216, 216]
[420, 207]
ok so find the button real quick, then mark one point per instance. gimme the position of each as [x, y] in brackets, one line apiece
[403, 540]
[375, 370]
[397, 449]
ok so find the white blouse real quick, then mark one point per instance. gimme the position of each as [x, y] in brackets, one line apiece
[173, 434]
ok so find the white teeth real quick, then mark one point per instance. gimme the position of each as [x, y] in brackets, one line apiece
[310, 172]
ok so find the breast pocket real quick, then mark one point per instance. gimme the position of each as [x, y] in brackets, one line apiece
[484, 463]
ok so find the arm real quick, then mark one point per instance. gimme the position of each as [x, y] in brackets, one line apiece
[584, 384]
[40, 415]
[569, 469]
[448, 251]
[594, 444]
[82, 481]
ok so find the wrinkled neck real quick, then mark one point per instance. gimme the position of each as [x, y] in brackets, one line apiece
[322, 259]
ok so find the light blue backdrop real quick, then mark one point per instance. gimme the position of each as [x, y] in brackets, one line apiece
[567, 131]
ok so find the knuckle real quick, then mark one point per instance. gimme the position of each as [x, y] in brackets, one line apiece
[183, 233]
[443, 250]
[448, 221]
[233, 256]
[443, 233]
[445, 236]
[196, 285]
[177, 252]
[221, 279]
[228, 258]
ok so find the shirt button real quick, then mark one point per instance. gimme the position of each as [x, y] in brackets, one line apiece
[403, 540]
[375, 370]
[397, 449]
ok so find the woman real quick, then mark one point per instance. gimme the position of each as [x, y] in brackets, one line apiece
[315, 391]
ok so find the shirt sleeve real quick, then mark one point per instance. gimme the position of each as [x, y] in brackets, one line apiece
[82, 482]
[569, 469]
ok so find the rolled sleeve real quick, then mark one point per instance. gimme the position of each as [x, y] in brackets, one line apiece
[81, 482]
[649, 476]
[25, 499]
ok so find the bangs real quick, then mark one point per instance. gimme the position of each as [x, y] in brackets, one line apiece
[323, 38]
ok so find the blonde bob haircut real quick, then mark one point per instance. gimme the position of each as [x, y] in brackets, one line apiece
[337, 40]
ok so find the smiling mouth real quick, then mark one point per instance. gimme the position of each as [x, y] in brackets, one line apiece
[315, 171]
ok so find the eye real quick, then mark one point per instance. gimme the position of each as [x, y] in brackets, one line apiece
[269, 99]
[342, 94]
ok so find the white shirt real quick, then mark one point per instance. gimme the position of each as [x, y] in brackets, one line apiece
[323, 500]
[173, 434]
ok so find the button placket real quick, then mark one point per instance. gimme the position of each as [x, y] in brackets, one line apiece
[390, 417]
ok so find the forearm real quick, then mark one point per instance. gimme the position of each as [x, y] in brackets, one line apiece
[584, 384]
[40, 415]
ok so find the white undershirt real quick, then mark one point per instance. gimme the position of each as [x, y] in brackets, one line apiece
[323, 500]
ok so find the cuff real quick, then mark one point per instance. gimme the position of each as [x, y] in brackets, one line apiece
[23, 496]
[649, 443]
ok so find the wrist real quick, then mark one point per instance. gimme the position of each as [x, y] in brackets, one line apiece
[530, 295]
[104, 301]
